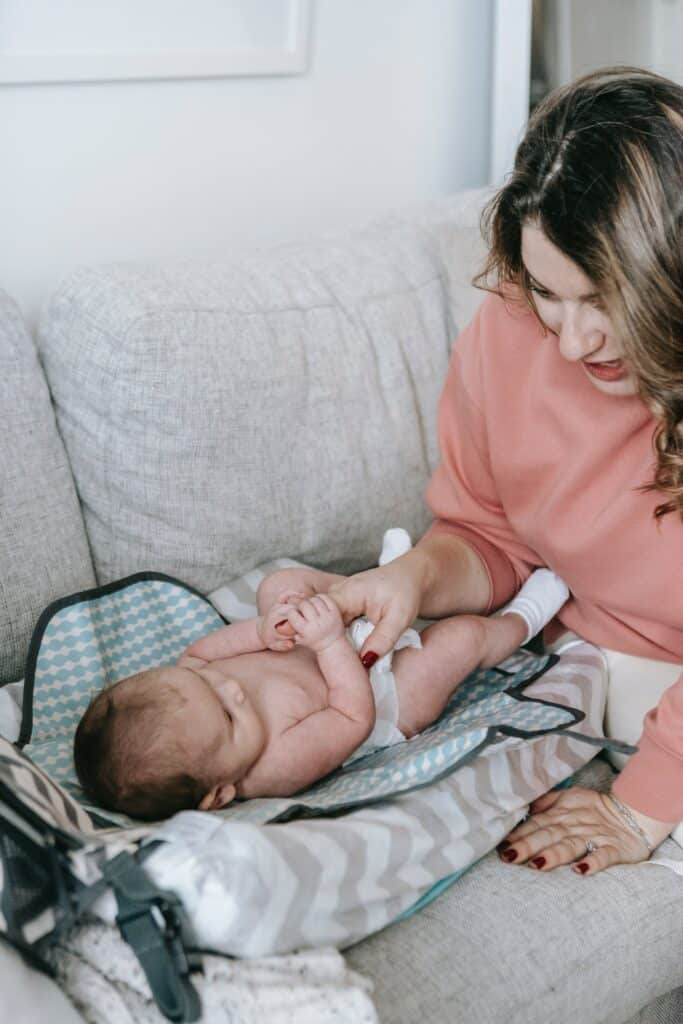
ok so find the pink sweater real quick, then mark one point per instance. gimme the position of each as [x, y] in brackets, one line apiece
[539, 468]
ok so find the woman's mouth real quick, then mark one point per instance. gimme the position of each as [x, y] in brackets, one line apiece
[611, 370]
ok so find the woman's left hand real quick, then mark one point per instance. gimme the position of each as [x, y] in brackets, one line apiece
[580, 825]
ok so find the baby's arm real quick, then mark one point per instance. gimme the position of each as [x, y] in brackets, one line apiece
[257, 634]
[319, 743]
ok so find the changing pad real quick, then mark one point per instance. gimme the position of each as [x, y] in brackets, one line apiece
[350, 860]
[89, 640]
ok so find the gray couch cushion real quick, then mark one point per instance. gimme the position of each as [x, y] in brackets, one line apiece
[284, 404]
[510, 945]
[43, 549]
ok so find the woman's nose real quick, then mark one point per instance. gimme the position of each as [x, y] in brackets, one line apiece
[578, 337]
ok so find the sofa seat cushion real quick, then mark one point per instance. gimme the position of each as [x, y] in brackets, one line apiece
[510, 945]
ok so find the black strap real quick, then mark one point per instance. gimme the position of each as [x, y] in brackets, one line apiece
[154, 924]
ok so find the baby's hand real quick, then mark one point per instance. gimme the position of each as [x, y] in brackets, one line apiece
[274, 638]
[294, 597]
[317, 622]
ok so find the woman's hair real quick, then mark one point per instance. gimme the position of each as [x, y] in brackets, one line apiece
[600, 172]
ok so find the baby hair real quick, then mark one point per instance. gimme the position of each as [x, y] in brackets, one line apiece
[126, 754]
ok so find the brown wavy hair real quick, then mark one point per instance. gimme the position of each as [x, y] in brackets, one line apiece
[600, 171]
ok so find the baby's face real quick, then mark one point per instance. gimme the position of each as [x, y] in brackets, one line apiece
[218, 723]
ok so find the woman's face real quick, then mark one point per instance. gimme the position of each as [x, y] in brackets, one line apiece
[570, 307]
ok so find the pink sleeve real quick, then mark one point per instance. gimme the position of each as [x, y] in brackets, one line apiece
[652, 781]
[462, 493]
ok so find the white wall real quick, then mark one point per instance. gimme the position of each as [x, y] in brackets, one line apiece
[394, 109]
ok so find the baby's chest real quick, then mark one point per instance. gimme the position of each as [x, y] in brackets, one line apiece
[293, 697]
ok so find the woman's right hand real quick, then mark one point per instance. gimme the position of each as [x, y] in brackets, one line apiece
[389, 596]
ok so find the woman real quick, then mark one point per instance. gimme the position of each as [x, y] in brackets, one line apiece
[561, 436]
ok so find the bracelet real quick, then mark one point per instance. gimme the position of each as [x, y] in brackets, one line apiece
[628, 817]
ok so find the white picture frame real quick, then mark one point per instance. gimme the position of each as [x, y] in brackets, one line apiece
[290, 56]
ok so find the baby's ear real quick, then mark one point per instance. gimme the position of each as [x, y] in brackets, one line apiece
[218, 796]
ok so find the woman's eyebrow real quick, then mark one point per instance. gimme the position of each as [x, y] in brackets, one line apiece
[537, 284]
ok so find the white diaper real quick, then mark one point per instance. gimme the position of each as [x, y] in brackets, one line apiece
[386, 731]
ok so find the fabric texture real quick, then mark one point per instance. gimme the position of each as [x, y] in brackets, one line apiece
[182, 395]
[510, 945]
[90, 640]
[43, 546]
[568, 497]
[104, 980]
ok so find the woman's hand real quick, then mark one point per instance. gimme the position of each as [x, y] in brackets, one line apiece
[580, 825]
[389, 596]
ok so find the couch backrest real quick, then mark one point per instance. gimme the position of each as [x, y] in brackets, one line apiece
[43, 547]
[283, 403]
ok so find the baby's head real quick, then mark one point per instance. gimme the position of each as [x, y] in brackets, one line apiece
[166, 740]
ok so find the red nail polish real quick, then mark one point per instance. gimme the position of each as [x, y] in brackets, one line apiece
[369, 659]
[503, 845]
[582, 867]
[509, 855]
[538, 862]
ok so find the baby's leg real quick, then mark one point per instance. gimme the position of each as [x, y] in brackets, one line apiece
[299, 581]
[451, 649]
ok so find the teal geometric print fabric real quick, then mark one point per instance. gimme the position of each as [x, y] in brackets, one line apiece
[86, 643]
[91, 640]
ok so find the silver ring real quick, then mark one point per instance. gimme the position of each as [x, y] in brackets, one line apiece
[591, 847]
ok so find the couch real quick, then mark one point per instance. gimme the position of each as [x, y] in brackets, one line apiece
[199, 419]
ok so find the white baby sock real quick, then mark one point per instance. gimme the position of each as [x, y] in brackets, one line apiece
[395, 542]
[538, 601]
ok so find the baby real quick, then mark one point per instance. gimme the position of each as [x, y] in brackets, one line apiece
[268, 706]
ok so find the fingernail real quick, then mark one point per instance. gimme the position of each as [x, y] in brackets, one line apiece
[582, 868]
[369, 659]
[503, 845]
[538, 862]
[509, 855]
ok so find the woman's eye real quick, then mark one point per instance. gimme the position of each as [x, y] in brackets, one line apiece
[541, 292]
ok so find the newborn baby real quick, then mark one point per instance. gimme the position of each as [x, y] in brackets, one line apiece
[268, 706]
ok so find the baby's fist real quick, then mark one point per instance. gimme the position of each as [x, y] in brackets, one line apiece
[317, 622]
[271, 637]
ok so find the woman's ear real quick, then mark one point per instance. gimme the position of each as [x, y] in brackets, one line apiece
[218, 796]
